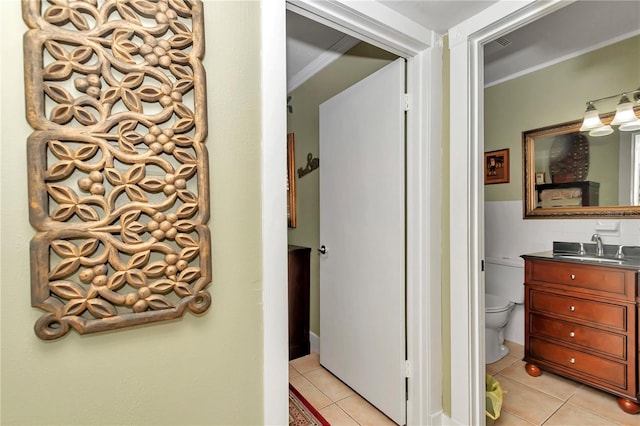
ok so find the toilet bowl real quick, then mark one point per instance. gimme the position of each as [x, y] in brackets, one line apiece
[503, 292]
[497, 310]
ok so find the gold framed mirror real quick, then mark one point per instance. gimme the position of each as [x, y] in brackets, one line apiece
[584, 176]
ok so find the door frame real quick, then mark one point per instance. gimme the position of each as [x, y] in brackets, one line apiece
[380, 26]
[466, 42]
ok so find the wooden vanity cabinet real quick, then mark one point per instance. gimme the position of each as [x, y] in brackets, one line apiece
[581, 322]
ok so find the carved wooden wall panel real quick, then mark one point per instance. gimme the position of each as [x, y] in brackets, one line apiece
[118, 182]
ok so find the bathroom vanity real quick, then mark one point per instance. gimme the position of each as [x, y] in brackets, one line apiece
[581, 319]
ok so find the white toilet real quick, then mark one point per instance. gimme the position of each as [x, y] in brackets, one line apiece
[504, 289]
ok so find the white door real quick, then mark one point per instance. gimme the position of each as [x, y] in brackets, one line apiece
[362, 226]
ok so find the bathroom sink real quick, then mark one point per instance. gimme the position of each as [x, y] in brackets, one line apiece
[586, 253]
[591, 259]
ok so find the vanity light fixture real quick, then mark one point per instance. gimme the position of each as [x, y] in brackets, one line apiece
[625, 116]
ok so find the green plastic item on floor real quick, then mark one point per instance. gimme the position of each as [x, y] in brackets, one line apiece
[494, 398]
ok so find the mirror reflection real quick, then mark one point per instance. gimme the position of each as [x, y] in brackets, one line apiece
[569, 173]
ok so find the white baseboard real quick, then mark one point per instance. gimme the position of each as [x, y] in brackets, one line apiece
[440, 418]
[314, 342]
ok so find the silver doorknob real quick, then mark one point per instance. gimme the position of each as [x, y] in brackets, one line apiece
[322, 249]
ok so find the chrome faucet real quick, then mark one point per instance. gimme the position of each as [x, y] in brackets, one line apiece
[596, 238]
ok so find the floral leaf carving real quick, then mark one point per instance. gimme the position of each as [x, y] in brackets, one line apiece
[117, 280]
[86, 213]
[183, 289]
[60, 170]
[183, 85]
[187, 196]
[55, 49]
[58, 70]
[111, 95]
[84, 116]
[126, 146]
[135, 173]
[127, 125]
[149, 93]
[151, 184]
[62, 114]
[182, 140]
[65, 268]
[139, 259]
[58, 94]
[113, 176]
[81, 54]
[179, 27]
[88, 247]
[85, 152]
[178, 56]
[129, 217]
[184, 156]
[60, 150]
[155, 269]
[157, 302]
[187, 210]
[181, 72]
[135, 193]
[63, 212]
[101, 308]
[78, 20]
[136, 278]
[182, 110]
[132, 80]
[62, 194]
[189, 274]
[189, 253]
[130, 237]
[183, 125]
[56, 14]
[64, 248]
[127, 13]
[184, 226]
[181, 7]
[136, 227]
[68, 289]
[74, 307]
[130, 100]
[180, 41]
[163, 286]
[186, 241]
[146, 8]
[186, 171]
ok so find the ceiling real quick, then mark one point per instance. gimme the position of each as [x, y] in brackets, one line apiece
[579, 27]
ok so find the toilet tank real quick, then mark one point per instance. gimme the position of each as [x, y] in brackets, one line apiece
[505, 277]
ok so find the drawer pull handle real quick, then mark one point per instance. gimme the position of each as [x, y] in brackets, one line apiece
[572, 360]
[572, 334]
[572, 308]
[573, 277]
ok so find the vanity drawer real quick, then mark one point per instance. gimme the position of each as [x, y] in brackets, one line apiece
[612, 282]
[598, 340]
[598, 313]
[612, 372]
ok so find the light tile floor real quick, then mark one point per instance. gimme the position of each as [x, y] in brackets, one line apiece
[547, 400]
[337, 403]
[551, 400]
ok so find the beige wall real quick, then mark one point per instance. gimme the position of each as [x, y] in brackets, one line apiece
[350, 68]
[198, 370]
[553, 95]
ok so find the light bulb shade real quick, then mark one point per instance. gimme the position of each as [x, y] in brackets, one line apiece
[601, 131]
[591, 119]
[624, 112]
[631, 126]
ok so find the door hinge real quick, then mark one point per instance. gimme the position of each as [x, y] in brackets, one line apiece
[407, 368]
[407, 102]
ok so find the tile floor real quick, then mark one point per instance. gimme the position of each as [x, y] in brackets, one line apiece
[551, 400]
[547, 400]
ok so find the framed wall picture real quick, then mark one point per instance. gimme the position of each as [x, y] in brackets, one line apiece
[496, 166]
[291, 181]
